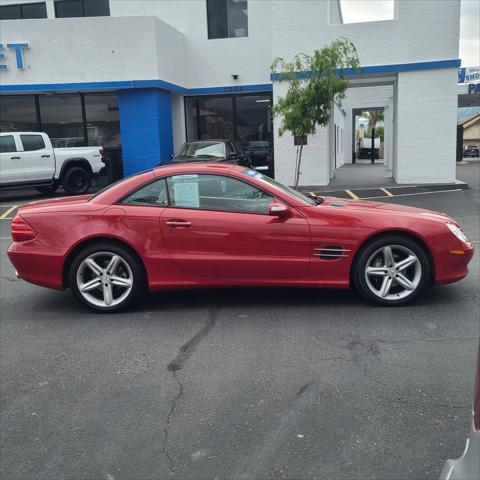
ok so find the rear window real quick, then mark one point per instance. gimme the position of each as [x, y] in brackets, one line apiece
[32, 142]
[7, 144]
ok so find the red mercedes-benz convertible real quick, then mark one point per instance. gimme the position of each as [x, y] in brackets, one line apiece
[206, 225]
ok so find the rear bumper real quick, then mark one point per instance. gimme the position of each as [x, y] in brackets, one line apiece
[37, 264]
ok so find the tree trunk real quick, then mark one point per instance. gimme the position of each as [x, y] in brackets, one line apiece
[299, 163]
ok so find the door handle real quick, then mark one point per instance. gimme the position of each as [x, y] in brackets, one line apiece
[15, 158]
[45, 156]
[178, 223]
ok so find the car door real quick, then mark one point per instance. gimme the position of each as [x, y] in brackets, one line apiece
[217, 226]
[11, 162]
[38, 158]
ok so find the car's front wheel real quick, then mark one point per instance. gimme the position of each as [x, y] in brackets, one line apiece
[106, 277]
[391, 270]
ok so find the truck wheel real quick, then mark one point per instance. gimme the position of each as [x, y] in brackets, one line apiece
[49, 188]
[76, 181]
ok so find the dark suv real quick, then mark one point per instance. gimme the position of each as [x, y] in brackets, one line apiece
[212, 151]
[471, 151]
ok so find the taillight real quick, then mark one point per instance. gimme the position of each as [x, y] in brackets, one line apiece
[21, 230]
[476, 396]
[102, 156]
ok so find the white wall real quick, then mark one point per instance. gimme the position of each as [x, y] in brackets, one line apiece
[212, 62]
[93, 49]
[424, 30]
[427, 123]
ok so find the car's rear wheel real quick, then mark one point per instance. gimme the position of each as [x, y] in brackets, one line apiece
[76, 181]
[106, 278]
[391, 270]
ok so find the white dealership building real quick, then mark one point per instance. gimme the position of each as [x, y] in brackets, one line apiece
[146, 76]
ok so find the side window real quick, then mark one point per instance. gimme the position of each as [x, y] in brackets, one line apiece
[216, 192]
[7, 144]
[153, 194]
[32, 142]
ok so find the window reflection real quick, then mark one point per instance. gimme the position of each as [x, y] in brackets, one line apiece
[61, 117]
[18, 113]
[103, 122]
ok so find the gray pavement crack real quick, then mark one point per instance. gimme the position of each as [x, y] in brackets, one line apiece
[185, 353]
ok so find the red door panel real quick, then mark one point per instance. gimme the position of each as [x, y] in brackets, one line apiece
[236, 245]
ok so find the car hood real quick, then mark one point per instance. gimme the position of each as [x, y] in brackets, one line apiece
[381, 208]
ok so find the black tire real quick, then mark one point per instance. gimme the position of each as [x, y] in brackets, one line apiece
[359, 276]
[48, 189]
[137, 274]
[76, 181]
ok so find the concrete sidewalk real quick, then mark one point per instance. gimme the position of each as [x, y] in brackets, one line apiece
[375, 181]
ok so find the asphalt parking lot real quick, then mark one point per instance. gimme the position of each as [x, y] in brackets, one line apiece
[243, 383]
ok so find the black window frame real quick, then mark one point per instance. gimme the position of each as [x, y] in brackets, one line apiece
[20, 7]
[82, 5]
[32, 135]
[234, 98]
[14, 143]
[210, 9]
[38, 126]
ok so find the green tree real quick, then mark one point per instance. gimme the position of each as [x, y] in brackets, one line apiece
[373, 117]
[380, 133]
[315, 82]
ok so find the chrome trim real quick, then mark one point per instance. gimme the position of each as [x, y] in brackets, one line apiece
[322, 255]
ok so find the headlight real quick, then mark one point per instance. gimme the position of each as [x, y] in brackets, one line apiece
[458, 232]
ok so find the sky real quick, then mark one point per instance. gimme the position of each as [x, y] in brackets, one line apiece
[358, 11]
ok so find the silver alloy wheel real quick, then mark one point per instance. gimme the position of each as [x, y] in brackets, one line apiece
[104, 279]
[393, 272]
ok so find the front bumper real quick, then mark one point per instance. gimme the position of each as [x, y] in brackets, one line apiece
[451, 261]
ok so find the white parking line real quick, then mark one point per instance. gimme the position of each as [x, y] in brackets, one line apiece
[418, 193]
[5, 215]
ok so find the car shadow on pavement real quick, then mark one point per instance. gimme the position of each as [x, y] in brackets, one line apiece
[333, 300]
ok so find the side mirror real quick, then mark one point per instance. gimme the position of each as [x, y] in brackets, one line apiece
[278, 210]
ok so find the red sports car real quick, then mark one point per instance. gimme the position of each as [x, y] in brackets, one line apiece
[218, 225]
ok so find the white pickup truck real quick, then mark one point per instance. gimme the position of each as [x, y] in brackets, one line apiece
[27, 159]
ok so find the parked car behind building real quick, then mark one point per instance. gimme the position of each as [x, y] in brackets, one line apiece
[212, 151]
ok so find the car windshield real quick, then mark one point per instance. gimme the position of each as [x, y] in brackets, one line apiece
[207, 149]
[282, 187]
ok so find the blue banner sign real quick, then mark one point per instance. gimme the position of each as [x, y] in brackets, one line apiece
[469, 74]
[17, 48]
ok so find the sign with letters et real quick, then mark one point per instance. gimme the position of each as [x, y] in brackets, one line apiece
[15, 50]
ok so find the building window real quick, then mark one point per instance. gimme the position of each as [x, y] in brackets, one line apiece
[227, 18]
[82, 8]
[18, 113]
[103, 121]
[61, 117]
[23, 10]
[360, 11]
[245, 118]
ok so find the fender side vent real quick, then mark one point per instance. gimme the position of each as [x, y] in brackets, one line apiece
[331, 252]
